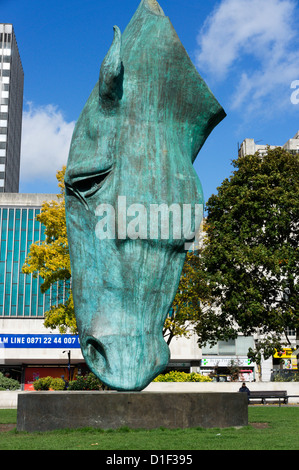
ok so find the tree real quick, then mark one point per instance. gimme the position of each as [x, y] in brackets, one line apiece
[194, 308]
[187, 308]
[251, 254]
[50, 260]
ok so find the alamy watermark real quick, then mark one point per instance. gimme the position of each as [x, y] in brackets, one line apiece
[158, 221]
[295, 95]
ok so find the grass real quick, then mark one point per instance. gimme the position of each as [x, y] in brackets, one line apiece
[270, 428]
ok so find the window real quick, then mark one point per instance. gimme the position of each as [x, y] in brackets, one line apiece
[5, 58]
[227, 348]
[210, 350]
[243, 343]
[20, 305]
[3, 251]
[5, 38]
[290, 331]
[1, 293]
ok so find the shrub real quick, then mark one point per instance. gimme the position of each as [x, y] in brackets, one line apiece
[293, 377]
[7, 383]
[86, 382]
[57, 384]
[175, 376]
[46, 383]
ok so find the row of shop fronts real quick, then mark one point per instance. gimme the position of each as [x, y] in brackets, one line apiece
[28, 351]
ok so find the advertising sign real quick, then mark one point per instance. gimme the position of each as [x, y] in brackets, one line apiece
[225, 361]
[39, 341]
[288, 357]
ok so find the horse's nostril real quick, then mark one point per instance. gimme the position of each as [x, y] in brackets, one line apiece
[96, 351]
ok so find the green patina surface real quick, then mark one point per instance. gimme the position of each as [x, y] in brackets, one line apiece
[137, 137]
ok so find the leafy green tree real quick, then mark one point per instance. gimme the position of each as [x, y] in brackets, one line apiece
[251, 254]
[193, 308]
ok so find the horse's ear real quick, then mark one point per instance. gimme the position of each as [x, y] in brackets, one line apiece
[112, 72]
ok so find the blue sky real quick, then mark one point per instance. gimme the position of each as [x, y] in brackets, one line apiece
[246, 50]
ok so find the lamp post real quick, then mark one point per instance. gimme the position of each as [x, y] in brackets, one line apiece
[69, 363]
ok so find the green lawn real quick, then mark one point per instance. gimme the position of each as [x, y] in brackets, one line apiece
[270, 428]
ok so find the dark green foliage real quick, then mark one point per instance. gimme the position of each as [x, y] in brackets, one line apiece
[7, 383]
[86, 382]
[252, 252]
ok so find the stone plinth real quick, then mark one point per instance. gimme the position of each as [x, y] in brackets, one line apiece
[44, 411]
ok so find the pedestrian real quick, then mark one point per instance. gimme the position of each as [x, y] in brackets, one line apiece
[66, 384]
[245, 389]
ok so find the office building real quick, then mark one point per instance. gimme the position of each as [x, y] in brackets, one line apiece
[11, 107]
[20, 294]
[28, 349]
[250, 147]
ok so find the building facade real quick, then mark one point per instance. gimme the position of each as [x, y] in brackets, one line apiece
[27, 349]
[250, 147]
[11, 108]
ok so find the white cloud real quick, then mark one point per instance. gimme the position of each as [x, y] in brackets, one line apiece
[46, 139]
[253, 42]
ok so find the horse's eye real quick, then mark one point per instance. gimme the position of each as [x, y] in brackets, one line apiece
[87, 186]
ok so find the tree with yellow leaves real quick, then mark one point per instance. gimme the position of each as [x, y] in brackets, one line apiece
[50, 260]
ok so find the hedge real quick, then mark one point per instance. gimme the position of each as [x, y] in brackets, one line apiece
[176, 376]
[7, 383]
[47, 383]
[86, 382]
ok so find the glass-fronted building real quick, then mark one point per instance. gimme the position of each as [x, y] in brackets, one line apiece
[20, 294]
[27, 349]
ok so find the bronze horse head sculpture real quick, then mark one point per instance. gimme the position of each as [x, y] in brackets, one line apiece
[130, 158]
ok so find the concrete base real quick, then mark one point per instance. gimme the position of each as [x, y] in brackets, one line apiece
[45, 411]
